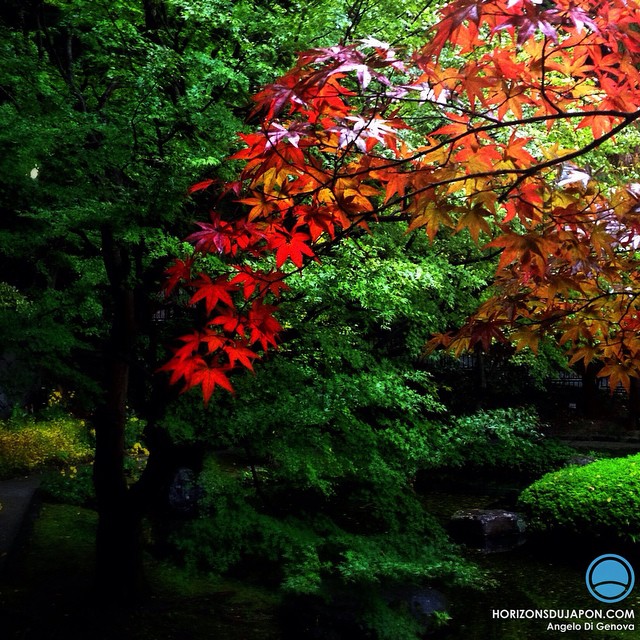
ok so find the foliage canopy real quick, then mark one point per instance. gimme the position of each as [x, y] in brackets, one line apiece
[453, 135]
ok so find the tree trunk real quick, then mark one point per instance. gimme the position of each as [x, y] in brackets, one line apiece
[118, 556]
[633, 413]
[118, 551]
[590, 397]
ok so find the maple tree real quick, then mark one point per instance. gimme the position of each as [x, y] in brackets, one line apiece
[463, 133]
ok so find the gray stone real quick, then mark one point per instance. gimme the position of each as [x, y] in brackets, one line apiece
[579, 461]
[424, 603]
[184, 492]
[488, 529]
[488, 522]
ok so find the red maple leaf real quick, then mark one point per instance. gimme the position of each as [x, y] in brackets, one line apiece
[291, 246]
[263, 281]
[239, 353]
[209, 376]
[179, 271]
[262, 325]
[529, 19]
[189, 348]
[230, 321]
[184, 359]
[200, 186]
[319, 220]
[211, 236]
[212, 291]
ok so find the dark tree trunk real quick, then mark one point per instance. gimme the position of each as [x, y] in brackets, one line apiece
[633, 413]
[117, 546]
[590, 399]
[118, 552]
[121, 508]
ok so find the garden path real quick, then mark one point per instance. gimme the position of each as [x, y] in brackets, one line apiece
[16, 500]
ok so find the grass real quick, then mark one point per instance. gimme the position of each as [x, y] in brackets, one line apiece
[49, 595]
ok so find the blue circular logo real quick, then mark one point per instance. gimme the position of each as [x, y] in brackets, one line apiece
[610, 578]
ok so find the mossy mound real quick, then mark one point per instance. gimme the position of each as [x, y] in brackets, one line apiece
[600, 498]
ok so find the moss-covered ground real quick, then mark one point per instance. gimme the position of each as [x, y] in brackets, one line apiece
[48, 594]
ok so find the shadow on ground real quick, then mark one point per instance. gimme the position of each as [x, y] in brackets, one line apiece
[46, 594]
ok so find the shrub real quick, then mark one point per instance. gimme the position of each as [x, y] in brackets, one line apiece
[601, 498]
[72, 485]
[356, 544]
[500, 439]
[27, 446]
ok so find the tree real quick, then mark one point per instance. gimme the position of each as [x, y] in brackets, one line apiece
[308, 469]
[462, 134]
[105, 107]
[107, 111]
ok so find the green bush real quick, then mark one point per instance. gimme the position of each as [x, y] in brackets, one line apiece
[601, 498]
[27, 445]
[365, 540]
[71, 485]
[508, 440]
[309, 485]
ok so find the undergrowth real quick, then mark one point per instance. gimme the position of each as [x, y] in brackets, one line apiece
[28, 445]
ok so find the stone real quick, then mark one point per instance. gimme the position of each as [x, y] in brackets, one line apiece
[488, 529]
[425, 603]
[184, 492]
[579, 461]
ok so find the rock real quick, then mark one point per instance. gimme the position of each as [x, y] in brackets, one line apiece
[425, 603]
[579, 461]
[184, 492]
[488, 529]
[344, 617]
[422, 602]
[487, 522]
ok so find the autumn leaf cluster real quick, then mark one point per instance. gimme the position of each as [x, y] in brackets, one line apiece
[457, 136]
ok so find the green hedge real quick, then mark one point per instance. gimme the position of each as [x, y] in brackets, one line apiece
[599, 498]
